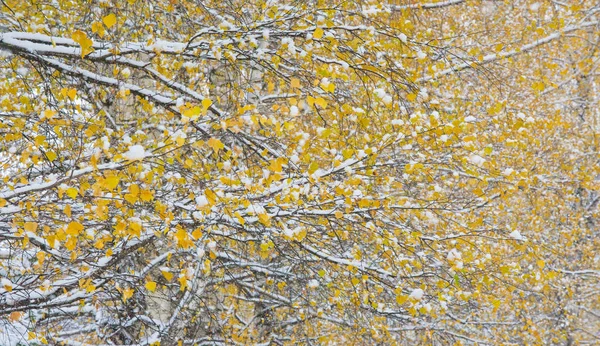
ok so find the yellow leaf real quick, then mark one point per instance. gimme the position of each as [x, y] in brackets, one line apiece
[74, 228]
[151, 286]
[210, 196]
[197, 234]
[168, 275]
[215, 144]
[111, 182]
[319, 101]
[192, 112]
[276, 165]
[538, 86]
[295, 83]
[51, 239]
[51, 156]
[72, 93]
[85, 42]
[146, 195]
[135, 229]
[300, 235]
[182, 282]
[109, 20]
[48, 114]
[496, 303]
[98, 28]
[265, 219]
[127, 293]
[182, 238]
[78, 35]
[318, 33]
[330, 88]
[239, 218]
[72, 192]
[71, 243]
[541, 264]
[39, 140]
[206, 103]
[30, 226]
[313, 167]
[134, 189]
[131, 198]
[67, 210]
[228, 181]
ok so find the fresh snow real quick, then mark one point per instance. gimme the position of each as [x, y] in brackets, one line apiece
[476, 160]
[201, 201]
[417, 294]
[135, 153]
[255, 209]
[454, 255]
[516, 235]
[313, 283]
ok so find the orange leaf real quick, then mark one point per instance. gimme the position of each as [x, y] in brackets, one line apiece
[15, 316]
